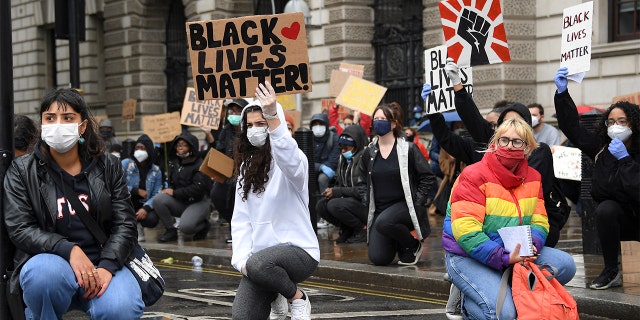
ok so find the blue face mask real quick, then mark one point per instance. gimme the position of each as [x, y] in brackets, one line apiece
[234, 119]
[417, 116]
[382, 127]
[348, 155]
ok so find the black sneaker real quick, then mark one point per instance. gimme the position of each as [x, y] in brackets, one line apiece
[410, 256]
[170, 235]
[344, 235]
[609, 278]
[358, 237]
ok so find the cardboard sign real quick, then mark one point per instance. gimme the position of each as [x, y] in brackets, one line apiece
[360, 94]
[288, 102]
[337, 81]
[162, 127]
[229, 57]
[129, 110]
[577, 27]
[567, 163]
[354, 69]
[632, 97]
[205, 114]
[442, 95]
[474, 32]
[217, 165]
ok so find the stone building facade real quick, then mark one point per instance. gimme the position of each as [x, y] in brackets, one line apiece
[125, 54]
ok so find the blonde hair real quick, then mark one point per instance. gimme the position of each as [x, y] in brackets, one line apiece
[523, 129]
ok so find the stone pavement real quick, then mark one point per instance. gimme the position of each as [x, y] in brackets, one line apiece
[349, 263]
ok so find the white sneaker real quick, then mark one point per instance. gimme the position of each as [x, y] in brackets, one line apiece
[454, 304]
[323, 224]
[279, 308]
[177, 223]
[141, 237]
[300, 309]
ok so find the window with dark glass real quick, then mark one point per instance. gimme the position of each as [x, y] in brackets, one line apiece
[268, 6]
[626, 19]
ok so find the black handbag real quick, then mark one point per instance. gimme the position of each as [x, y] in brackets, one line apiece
[151, 282]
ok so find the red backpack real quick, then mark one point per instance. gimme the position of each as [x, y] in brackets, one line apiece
[536, 293]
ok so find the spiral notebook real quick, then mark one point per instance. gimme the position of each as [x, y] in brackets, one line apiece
[518, 234]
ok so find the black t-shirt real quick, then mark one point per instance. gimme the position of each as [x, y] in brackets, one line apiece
[385, 178]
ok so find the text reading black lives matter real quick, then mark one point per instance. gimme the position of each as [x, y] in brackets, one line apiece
[442, 93]
[263, 58]
[570, 21]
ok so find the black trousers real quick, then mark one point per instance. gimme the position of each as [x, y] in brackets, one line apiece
[615, 223]
[343, 212]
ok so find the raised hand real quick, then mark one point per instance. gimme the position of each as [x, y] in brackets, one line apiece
[426, 91]
[561, 79]
[474, 29]
[453, 72]
[267, 97]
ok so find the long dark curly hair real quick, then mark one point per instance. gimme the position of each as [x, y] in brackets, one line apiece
[632, 111]
[93, 145]
[251, 162]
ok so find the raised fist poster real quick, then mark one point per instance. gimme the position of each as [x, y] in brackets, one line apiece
[229, 57]
[474, 32]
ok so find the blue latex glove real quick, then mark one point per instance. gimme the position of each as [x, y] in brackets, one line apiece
[426, 91]
[327, 171]
[617, 149]
[561, 79]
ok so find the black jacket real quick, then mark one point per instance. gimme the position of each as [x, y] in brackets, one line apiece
[348, 173]
[30, 207]
[188, 183]
[613, 179]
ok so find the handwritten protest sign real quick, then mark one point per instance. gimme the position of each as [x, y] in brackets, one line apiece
[162, 127]
[361, 94]
[288, 102]
[198, 113]
[229, 57]
[339, 77]
[442, 94]
[632, 97]
[567, 163]
[474, 32]
[577, 26]
[129, 110]
[354, 69]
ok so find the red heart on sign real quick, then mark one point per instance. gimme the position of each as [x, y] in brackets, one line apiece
[291, 32]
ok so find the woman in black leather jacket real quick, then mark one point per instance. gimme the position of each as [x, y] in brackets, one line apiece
[58, 265]
[397, 183]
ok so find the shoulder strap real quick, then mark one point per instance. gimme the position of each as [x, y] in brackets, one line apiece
[82, 212]
[502, 292]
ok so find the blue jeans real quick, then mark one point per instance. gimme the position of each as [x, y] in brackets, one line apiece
[50, 290]
[479, 283]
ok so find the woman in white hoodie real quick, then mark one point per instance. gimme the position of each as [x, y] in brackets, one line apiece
[274, 245]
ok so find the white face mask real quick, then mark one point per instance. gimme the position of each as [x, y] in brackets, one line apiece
[534, 121]
[140, 155]
[117, 154]
[60, 136]
[257, 136]
[319, 130]
[622, 132]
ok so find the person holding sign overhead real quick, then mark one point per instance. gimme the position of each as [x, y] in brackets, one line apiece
[273, 248]
[615, 148]
[499, 191]
[396, 190]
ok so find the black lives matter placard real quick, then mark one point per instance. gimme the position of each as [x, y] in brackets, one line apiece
[229, 57]
[442, 97]
[577, 26]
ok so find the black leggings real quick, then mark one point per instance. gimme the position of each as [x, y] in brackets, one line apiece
[389, 233]
[615, 223]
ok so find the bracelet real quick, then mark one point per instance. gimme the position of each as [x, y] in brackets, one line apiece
[270, 117]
